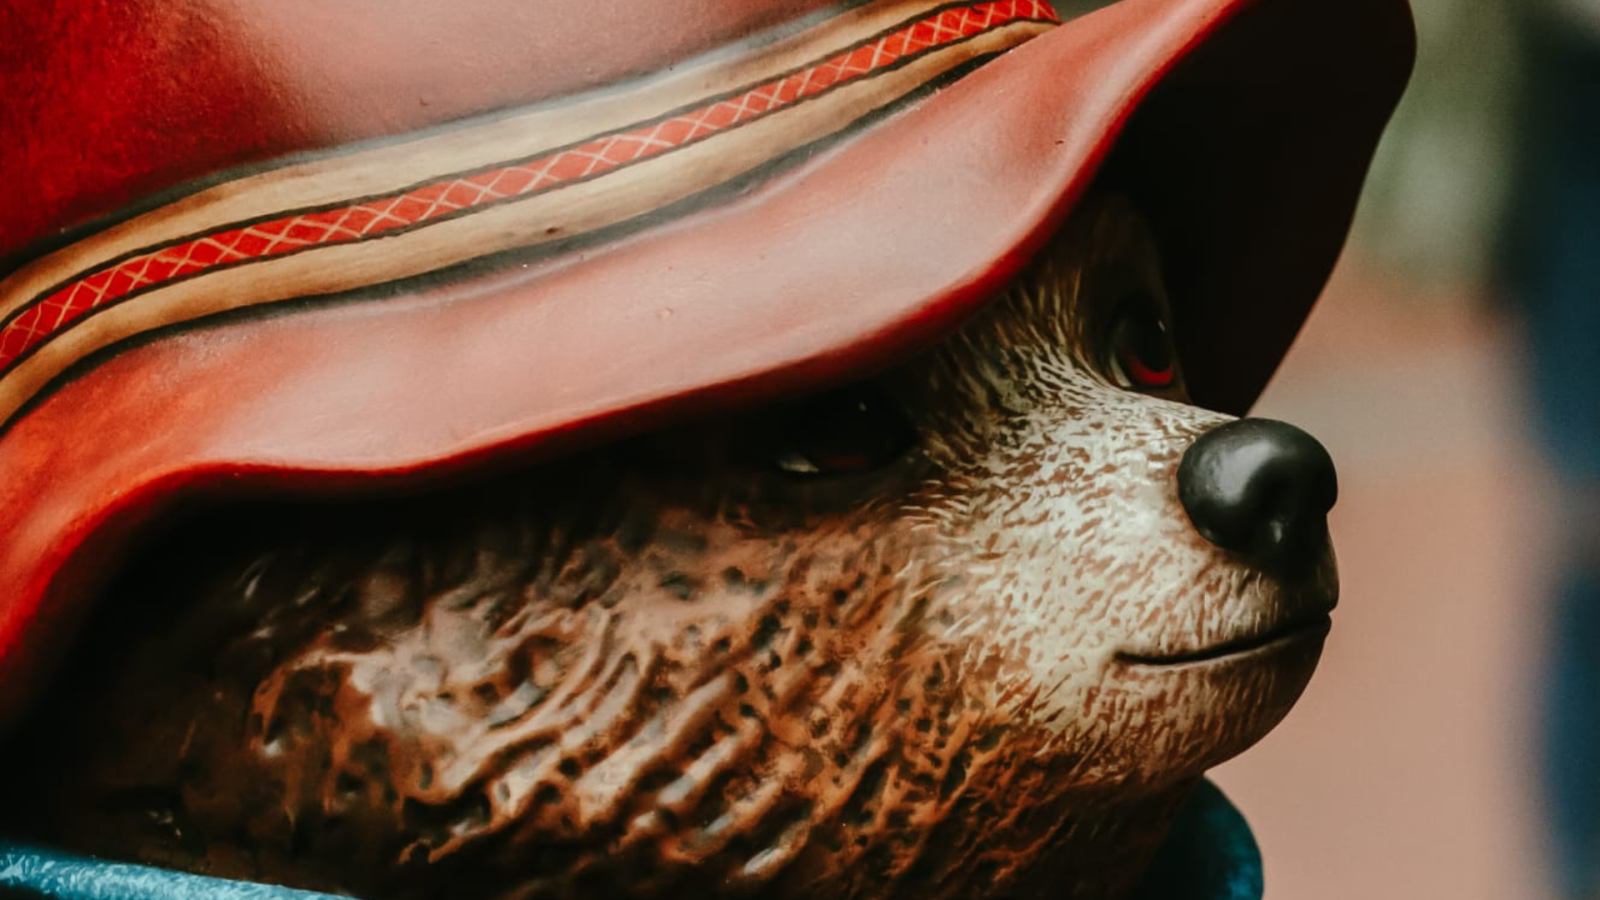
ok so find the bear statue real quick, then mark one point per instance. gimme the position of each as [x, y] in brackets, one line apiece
[714, 448]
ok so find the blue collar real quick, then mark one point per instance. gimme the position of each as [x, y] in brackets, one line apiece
[1210, 854]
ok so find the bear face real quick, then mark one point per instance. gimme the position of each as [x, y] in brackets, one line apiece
[948, 632]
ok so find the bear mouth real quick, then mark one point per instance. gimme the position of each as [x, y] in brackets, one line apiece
[1294, 632]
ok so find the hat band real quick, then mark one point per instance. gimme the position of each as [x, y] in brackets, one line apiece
[537, 176]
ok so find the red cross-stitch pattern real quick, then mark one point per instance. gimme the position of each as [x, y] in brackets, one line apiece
[57, 311]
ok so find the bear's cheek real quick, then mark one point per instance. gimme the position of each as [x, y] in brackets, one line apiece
[1052, 635]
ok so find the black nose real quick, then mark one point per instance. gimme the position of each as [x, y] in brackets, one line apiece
[1261, 489]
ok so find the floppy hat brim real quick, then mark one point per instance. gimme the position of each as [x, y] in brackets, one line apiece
[1243, 126]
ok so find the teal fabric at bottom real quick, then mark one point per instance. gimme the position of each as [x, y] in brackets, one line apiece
[39, 874]
[1210, 855]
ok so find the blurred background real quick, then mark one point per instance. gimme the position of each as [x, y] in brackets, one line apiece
[1446, 746]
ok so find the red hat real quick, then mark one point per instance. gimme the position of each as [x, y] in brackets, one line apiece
[325, 247]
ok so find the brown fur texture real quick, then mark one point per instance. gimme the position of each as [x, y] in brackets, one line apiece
[670, 667]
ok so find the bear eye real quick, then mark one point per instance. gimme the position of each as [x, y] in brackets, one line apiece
[1139, 347]
[849, 430]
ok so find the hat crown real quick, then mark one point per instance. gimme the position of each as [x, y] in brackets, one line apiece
[530, 180]
[118, 101]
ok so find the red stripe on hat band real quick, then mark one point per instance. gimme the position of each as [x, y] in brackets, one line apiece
[55, 311]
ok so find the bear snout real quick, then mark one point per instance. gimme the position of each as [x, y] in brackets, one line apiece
[1262, 489]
